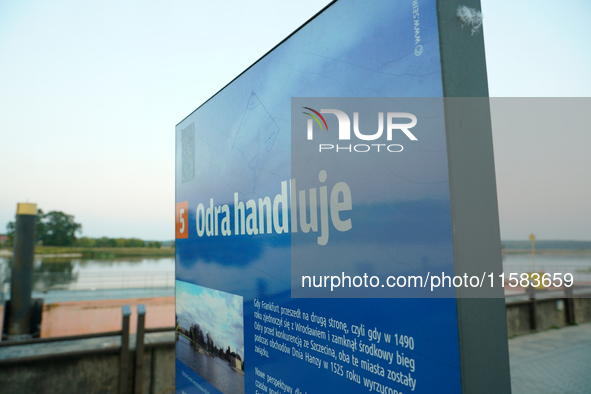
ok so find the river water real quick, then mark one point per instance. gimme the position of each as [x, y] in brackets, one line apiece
[213, 369]
[51, 274]
[97, 274]
[579, 265]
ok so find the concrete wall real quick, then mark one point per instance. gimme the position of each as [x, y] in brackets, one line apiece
[582, 310]
[550, 313]
[86, 371]
[518, 319]
[90, 372]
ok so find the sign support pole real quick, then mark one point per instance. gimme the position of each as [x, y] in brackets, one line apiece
[482, 322]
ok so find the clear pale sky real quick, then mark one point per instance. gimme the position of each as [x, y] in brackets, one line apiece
[90, 93]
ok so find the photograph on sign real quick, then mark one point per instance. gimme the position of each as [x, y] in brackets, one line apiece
[210, 335]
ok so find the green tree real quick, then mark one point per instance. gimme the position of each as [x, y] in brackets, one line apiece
[134, 243]
[59, 229]
[104, 242]
[10, 229]
[154, 244]
[85, 242]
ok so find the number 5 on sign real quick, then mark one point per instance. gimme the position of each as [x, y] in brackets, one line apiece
[182, 220]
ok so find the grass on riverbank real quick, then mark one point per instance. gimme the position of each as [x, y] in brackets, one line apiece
[105, 253]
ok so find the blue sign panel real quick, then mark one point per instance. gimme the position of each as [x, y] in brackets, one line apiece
[270, 190]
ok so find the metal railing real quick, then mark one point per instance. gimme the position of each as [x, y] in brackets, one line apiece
[567, 296]
[104, 280]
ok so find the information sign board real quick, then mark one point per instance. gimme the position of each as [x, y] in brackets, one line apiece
[305, 190]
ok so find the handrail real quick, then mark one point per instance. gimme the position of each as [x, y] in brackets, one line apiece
[64, 338]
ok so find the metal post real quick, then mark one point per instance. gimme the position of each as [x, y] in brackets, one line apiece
[139, 350]
[533, 319]
[19, 320]
[532, 239]
[570, 306]
[124, 361]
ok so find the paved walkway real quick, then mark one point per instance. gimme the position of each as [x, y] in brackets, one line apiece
[555, 361]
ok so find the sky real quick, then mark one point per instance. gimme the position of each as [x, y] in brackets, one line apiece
[90, 93]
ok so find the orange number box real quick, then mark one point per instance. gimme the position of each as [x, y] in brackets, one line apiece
[182, 220]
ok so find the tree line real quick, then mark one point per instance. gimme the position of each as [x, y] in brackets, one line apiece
[105, 242]
[56, 228]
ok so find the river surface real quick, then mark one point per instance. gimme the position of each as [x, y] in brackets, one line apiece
[579, 265]
[94, 274]
[215, 370]
[149, 273]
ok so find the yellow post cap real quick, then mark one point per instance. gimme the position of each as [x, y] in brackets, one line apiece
[24, 208]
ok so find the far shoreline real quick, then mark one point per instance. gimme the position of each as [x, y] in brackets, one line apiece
[550, 252]
[96, 253]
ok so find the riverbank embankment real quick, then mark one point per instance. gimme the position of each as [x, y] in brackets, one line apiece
[95, 253]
